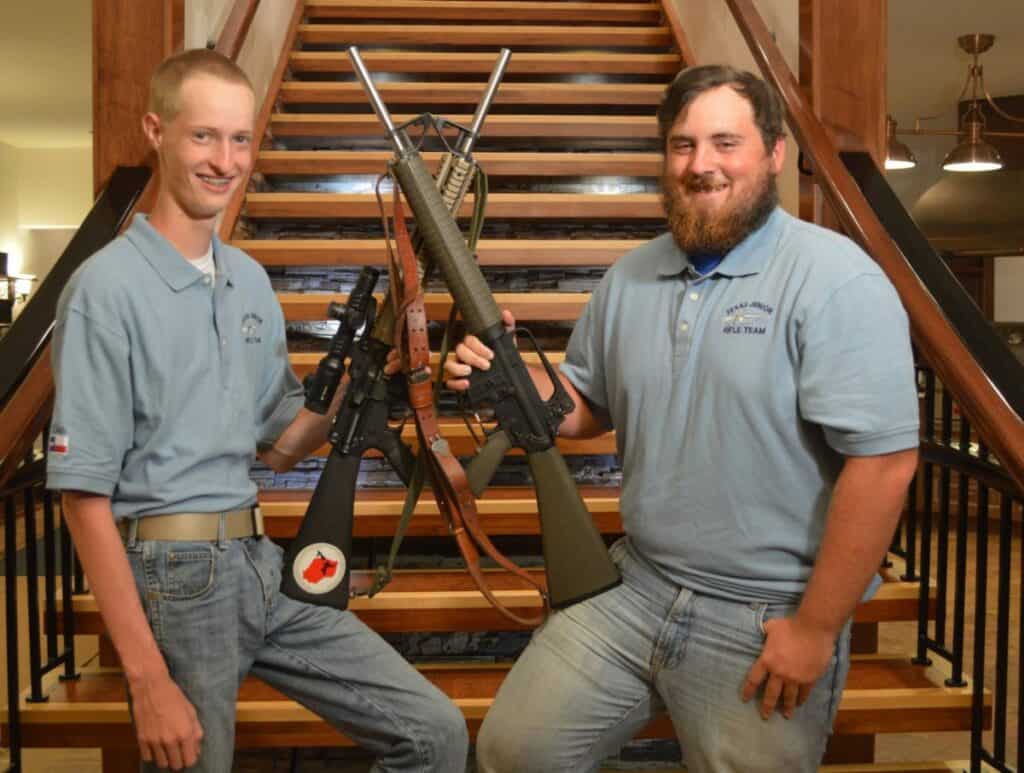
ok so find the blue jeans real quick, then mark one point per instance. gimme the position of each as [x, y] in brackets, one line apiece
[217, 614]
[596, 673]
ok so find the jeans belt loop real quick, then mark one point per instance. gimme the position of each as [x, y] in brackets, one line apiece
[221, 530]
[133, 533]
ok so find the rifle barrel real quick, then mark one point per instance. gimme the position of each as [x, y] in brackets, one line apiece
[398, 138]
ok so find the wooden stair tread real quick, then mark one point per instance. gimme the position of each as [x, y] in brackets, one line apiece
[431, 94]
[920, 702]
[486, 10]
[627, 127]
[525, 306]
[536, 63]
[490, 252]
[447, 600]
[486, 35]
[537, 206]
[333, 162]
[462, 444]
[306, 362]
[953, 766]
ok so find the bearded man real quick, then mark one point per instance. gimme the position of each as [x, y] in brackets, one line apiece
[757, 371]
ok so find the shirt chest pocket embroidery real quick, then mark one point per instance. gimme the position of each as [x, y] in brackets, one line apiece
[749, 318]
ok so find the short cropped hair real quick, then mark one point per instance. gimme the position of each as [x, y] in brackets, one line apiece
[694, 81]
[165, 85]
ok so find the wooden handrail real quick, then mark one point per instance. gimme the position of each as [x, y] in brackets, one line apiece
[1000, 426]
[671, 13]
[26, 413]
[235, 29]
[234, 208]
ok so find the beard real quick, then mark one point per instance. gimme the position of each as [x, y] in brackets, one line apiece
[715, 232]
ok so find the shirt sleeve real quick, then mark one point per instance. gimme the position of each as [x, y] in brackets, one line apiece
[282, 395]
[857, 369]
[584, 356]
[92, 426]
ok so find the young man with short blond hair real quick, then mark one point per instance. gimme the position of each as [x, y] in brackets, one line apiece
[172, 371]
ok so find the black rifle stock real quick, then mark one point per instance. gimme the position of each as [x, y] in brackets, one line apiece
[577, 563]
[316, 563]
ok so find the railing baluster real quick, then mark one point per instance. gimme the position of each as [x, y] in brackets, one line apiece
[960, 584]
[32, 594]
[910, 541]
[66, 562]
[11, 612]
[980, 618]
[1020, 659]
[926, 523]
[942, 569]
[50, 562]
[1002, 627]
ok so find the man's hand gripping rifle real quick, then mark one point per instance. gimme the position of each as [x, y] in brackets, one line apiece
[576, 561]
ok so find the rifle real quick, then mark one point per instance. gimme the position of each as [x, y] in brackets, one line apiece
[576, 561]
[316, 563]
[361, 424]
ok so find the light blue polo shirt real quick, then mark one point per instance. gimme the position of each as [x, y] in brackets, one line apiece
[736, 396]
[167, 383]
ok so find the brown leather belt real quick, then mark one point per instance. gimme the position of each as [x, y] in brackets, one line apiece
[194, 527]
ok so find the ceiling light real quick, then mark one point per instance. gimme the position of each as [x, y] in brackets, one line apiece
[973, 153]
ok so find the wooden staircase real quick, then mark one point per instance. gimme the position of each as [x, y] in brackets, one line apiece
[571, 151]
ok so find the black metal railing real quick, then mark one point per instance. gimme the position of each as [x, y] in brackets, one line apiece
[30, 331]
[961, 496]
[51, 642]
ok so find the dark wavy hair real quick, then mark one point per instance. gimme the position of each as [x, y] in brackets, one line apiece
[694, 81]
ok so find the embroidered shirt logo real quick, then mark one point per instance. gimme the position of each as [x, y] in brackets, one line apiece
[747, 318]
[251, 324]
[58, 444]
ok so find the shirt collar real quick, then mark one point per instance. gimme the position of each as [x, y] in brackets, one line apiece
[750, 256]
[165, 259]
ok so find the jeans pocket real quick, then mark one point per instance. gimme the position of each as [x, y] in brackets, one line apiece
[188, 572]
[764, 611]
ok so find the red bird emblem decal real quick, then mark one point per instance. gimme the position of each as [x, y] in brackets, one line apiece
[320, 568]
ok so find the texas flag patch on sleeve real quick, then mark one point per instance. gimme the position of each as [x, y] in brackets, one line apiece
[58, 444]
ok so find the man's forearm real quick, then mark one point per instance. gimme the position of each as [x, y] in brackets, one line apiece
[862, 518]
[99, 548]
[583, 422]
[307, 432]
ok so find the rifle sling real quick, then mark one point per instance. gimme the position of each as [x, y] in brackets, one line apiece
[451, 489]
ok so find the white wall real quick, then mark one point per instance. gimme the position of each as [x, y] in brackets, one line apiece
[41, 187]
[12, 241]
[204, 20]
[715, 39]
[54, 187]
[264, 42]
[1009, 290]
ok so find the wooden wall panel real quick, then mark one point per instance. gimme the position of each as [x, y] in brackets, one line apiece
[844, 49]
[130, 38]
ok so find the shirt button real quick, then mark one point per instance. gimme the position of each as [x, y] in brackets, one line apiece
[694, 296]
[224, 342]
[684, 327]
[206, 279]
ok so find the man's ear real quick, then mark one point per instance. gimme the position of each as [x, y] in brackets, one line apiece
[153, 128]
[778, 155]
